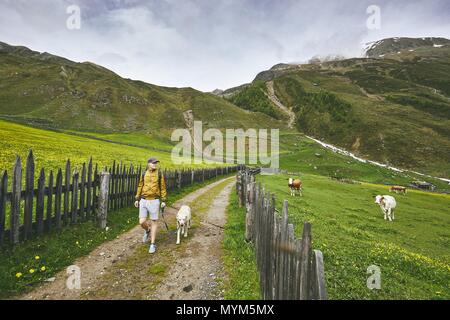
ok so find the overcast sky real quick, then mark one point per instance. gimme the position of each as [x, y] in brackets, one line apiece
[208, 44]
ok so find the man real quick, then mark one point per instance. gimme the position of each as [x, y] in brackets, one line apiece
[150, 196]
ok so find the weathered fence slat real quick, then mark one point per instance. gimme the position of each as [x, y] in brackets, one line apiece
[48, 220]
[305, 261]
[40, 203]
[58, 194]
[29, 188]
[3, 193]
[318, 289]
[83, 193]
[75, 197]
[89, 189]
[103, 199]
[15, 202]
[67, 209]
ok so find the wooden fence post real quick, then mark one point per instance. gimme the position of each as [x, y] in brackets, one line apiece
[318, 287]
[250, 213]
[3, 192]
[48, 221]
[15, 201]
[102, 213]
[40, 203]
[29, 188]
[75, 197]
[305, 263]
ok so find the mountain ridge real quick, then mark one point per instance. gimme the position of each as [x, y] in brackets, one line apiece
[393, 109]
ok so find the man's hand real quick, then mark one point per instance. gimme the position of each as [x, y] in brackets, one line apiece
[136, 203]
[163, 205]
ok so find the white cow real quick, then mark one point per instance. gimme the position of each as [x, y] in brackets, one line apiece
[183, 221]
[387, 205]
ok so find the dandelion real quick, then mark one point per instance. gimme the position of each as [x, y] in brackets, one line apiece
[37, 258]
[43, 268]
[18, 274]
[31, 270]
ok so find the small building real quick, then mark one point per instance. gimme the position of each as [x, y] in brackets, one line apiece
[423, 185]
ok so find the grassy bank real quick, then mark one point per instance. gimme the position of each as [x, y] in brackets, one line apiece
[238, 256]
[349, 228]
[34, 261]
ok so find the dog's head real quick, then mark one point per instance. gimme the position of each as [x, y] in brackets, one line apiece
[181, 221]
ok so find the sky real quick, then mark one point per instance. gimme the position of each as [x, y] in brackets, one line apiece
[209, 44]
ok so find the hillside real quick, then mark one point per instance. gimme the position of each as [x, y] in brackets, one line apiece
[392, 107]
[52, 92]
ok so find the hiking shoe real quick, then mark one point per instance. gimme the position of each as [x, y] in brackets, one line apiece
[152, 248]
[146, 236]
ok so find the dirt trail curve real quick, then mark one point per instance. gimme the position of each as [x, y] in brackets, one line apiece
[195, 275]
[273, 97]
[118, 269]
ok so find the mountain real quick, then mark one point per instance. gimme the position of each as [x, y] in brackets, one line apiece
[392, 106]
[395, 45]
[52, 92]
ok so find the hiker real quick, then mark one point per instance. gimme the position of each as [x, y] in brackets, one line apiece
[150, 197]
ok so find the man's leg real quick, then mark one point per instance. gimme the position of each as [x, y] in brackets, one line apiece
[154, 228]
[153, 209]
[145, 224]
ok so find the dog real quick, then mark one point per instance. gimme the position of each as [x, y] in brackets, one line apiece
[183, 221]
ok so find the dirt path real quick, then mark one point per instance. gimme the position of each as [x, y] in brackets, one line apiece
[197, 273]
[273, 97]
[123, 268]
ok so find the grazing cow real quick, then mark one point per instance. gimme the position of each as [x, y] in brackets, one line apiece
[295, 185]
[183, 221]
[387, 205]
[398, 189]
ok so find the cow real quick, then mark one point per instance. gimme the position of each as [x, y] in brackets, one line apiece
[387, 205]
[295, 185]
[398, 189]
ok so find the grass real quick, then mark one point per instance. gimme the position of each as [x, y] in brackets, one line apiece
[52, 149]
[300, 154]
[58, 250]
[349, 228]
[242, 281]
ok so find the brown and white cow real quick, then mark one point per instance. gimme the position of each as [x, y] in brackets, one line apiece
[397, 189]
[295, 185]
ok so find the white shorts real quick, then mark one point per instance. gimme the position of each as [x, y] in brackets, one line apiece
[149, 208]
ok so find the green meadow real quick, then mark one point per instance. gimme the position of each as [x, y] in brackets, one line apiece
[412, 251]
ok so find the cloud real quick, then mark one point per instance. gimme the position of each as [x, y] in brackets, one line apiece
[210, 44]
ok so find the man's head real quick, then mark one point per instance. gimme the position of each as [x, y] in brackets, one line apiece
[152, 163]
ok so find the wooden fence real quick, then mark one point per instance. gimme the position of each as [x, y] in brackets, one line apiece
[71, 196]
[288, 267]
